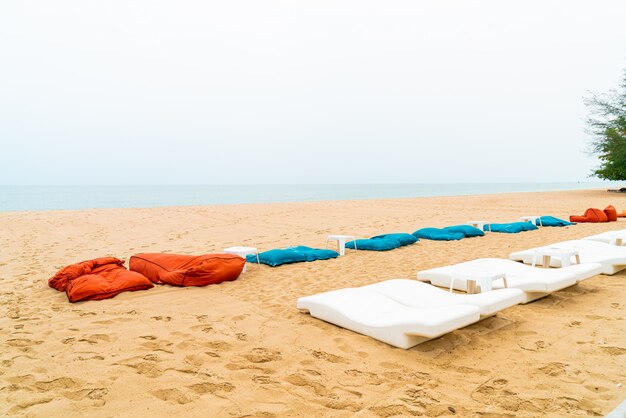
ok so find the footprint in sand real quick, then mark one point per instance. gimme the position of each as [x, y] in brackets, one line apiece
[172, 395]
[95, 339]
[331, 358]
[57, 384]
[24, 344]
[263, 379]
[212, 388]
[262, 355]
[553, 369]
[148, 369]
[615, 351]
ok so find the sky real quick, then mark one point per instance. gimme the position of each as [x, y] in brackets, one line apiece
[246, 92]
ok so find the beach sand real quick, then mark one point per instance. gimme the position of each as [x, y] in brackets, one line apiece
[243, 349]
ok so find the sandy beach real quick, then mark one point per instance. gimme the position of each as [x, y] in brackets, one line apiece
[243, 349]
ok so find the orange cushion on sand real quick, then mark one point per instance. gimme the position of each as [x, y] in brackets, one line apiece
[591, 215]
[101, 278]
[188, 270]
[611, 213]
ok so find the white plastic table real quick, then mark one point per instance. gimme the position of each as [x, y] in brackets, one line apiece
[563, 254]
[531, 219]
[243, 252]
[479, 224]
[341, 242]
[484, 278]
[617, 238]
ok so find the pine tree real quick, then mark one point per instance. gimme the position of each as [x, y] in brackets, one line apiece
[607, 125]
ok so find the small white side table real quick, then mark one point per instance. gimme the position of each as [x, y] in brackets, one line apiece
[243, 252]
[484, 279]
[617, 238]
[341, 242]
[531, 219]
[563, 254]
[479, 224]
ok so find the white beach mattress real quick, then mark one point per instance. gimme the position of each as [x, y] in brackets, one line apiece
[421, 295]
[518, 275]
[377, 311]
[611, 257]
[607, 237]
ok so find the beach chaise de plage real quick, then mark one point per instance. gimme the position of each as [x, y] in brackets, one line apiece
[534, 282]
[610, 237]
[404, 313]
[611, 257]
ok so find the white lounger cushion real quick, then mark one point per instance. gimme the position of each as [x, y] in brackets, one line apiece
[607, 237]
[370, 313]
[611, 257]
[535, 282]
[422, 295]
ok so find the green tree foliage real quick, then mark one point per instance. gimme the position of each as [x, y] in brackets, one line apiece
[607, 125]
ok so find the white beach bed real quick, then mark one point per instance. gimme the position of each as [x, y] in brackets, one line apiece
[421, 295]
[376, 310]
[611, 257]
[534, 282]
[610, 237]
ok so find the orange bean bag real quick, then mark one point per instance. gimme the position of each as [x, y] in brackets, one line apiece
[101, 278]
[591, 215]
[188, 270]
[611, 213]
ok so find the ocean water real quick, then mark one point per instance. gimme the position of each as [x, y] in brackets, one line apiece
[26, 198]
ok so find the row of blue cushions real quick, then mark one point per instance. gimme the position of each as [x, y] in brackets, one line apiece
[388, 242]
[287, 255]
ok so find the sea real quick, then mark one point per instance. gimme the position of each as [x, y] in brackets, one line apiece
[30, 198]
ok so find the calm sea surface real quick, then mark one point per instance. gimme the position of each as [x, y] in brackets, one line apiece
[19, 198]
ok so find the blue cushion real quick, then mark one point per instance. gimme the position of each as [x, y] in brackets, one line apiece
[313, 254]
[277, 257]
[526, 226]
[403, 238]
[552, 221]
[513, 228]
[287, 255]
[467, 230]
[438, 234]
[377, 244]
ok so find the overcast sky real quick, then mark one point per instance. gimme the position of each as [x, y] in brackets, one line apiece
[214, 92]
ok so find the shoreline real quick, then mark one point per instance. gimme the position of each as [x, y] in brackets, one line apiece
[242, 347]
[325, 201]
[143, 197]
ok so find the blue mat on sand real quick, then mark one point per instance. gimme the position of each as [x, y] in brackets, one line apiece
[467, 230]
[402, 237]
[552, 221]
[437, 234]
[288, 255]
[374, 244]
[511, 228]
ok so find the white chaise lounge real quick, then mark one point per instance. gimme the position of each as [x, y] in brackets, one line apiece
[611, 257]
[421, 295]
[610, 237]
[377, 310]
[534, 282]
